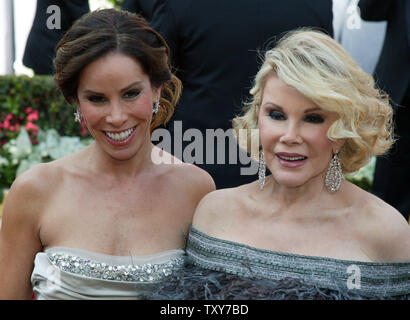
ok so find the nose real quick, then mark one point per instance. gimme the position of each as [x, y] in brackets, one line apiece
[116, 115]
[291, 135]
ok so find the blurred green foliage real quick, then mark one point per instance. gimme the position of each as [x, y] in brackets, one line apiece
[17, 93]
[33, 104]
[116, 3]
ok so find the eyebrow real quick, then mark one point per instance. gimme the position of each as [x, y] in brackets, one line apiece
[122, 90]
[306, 111]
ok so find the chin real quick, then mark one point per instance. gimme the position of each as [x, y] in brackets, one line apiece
[291, 184]
[120, 155]
[290, 181]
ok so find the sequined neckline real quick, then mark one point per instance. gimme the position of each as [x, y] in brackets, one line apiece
[115, 259]
[91, 267]
[375, 278]
[193, 230]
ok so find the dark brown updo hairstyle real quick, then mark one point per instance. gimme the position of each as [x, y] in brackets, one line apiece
[105, 31]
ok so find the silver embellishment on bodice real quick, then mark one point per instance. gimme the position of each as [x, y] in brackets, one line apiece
[148, 272]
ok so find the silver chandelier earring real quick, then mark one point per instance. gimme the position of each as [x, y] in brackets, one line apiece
[156, 107]
[262, 170]
[334, 175]
[77, 116]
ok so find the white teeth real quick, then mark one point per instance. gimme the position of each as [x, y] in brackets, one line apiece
[292, 158]
[120, 136]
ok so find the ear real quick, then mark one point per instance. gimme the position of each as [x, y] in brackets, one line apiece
[76, 103]
[156, 93]
[337, 145]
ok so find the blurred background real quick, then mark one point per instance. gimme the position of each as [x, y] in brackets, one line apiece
[16, 19]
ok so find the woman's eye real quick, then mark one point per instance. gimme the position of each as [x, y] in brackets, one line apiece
[277, 115]
[131, 94]
[314, 118]
[96, 99]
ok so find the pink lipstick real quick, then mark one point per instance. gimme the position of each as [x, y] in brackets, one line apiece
[291, 160]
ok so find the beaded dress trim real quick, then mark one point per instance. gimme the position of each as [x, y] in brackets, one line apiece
[148, 272]
[376, 279]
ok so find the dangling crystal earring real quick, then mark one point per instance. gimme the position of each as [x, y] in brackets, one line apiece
[156, 107]
[334, 175]
[77, 116]
[262, 170]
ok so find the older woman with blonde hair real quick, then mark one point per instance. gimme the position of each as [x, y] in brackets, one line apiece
[318, 116]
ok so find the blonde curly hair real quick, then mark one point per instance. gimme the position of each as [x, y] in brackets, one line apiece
[324, 72]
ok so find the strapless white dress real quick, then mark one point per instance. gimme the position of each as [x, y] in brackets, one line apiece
[69, 273]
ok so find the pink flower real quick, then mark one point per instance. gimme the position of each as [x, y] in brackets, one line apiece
[33, 115]
[31, 126]
[28, 110]
[6, 123]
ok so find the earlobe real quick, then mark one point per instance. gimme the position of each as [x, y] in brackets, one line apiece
[338, 145]
[157, 93]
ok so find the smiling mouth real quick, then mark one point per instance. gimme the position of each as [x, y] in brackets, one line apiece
[297, 158]
[120, 136]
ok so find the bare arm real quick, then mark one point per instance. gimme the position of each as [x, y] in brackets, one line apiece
[19, 239]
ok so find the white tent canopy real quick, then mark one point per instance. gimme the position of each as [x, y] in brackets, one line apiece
[6, 37]
[16, 18]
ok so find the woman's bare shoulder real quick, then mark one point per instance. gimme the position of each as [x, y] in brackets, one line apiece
[218, 209]
[35, 186]
[21, 224]
[184, 175]
[382, 229]
[35, 180]
[24, 205]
